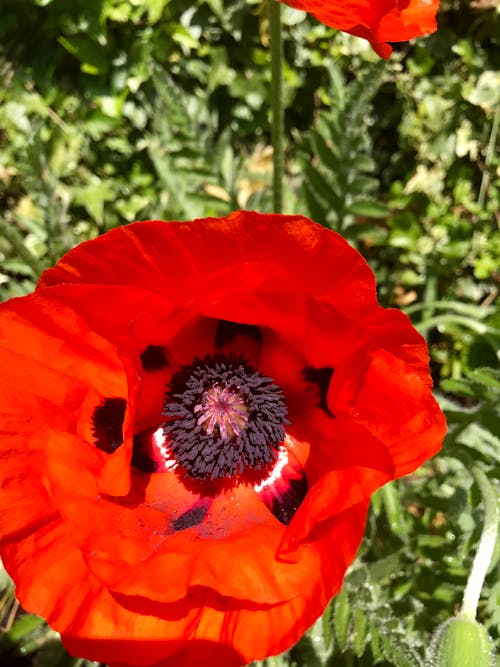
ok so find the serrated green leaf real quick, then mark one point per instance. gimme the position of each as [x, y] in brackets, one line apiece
[327, 625]
[376, 502]
[479, 312]
[457, 321]
[376, 643]
[322, 188]
[392, 506]
[399, 653]
[359, 633]
[363, 184]
[391, 565]
[337, 84]
[17, 266]
[368, 208]
[316, 209]
[329, 126]
[342, 619]
[326, 154]
[490, 377]
[460, 387]
[305, 653]
[365, 163]
[24, 626]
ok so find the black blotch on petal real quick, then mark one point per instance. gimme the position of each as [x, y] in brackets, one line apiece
[149, 453]
[154, 358]
[140, 459]
[107, 424]
[321, 377]
[227, 331]
[287, 502]
[193, 516]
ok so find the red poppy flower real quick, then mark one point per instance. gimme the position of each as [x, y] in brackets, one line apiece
[378, 21]
[193, 416]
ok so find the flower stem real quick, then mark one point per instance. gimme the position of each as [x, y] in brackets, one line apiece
[490, 151]
[277, 116]
[486, 545]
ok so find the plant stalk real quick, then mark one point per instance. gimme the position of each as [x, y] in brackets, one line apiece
[490, 151]
[277, 113]
[486, 545]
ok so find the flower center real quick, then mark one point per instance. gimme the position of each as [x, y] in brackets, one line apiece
[224, 408]
[223, 418]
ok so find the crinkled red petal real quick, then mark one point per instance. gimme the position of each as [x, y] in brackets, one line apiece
[179, 260]
[170, 567]
[378, 22]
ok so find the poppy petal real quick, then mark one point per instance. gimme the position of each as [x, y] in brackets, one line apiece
[91, 615]
[89, 610]
[378, 22]
[54, 365]
[413, 432]
[265, 332]
[178, 260]
[26, 505]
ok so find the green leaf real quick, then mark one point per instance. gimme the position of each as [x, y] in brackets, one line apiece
[392, 506]
[368, 208]
[316, 209]
[376, 643]
[24, 626]
[322, 187]
[326, 153]
[363, 184]
[327, 625]
[342, 619]
[398, 652]
[365, 163]
[360, 632]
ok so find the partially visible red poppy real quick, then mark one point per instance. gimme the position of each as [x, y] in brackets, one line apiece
[193, 416]
[378, 21]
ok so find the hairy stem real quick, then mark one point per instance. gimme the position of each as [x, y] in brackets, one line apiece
[490, 151]
[486, 545]
[277, 115]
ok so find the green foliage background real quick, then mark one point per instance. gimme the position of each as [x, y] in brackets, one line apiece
[118, 110]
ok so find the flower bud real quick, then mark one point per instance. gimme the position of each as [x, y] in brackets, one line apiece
[461, 642]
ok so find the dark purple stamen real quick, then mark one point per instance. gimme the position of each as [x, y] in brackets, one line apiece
[321, 377]
[154, 358]
[107, 424]
[223, 417]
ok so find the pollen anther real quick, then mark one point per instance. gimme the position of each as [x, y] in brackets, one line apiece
[224, 417]
[223, 408]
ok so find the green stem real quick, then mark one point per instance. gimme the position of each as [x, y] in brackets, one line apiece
[430, 296]
[486, 545]
[277, 115]
[490, 151]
